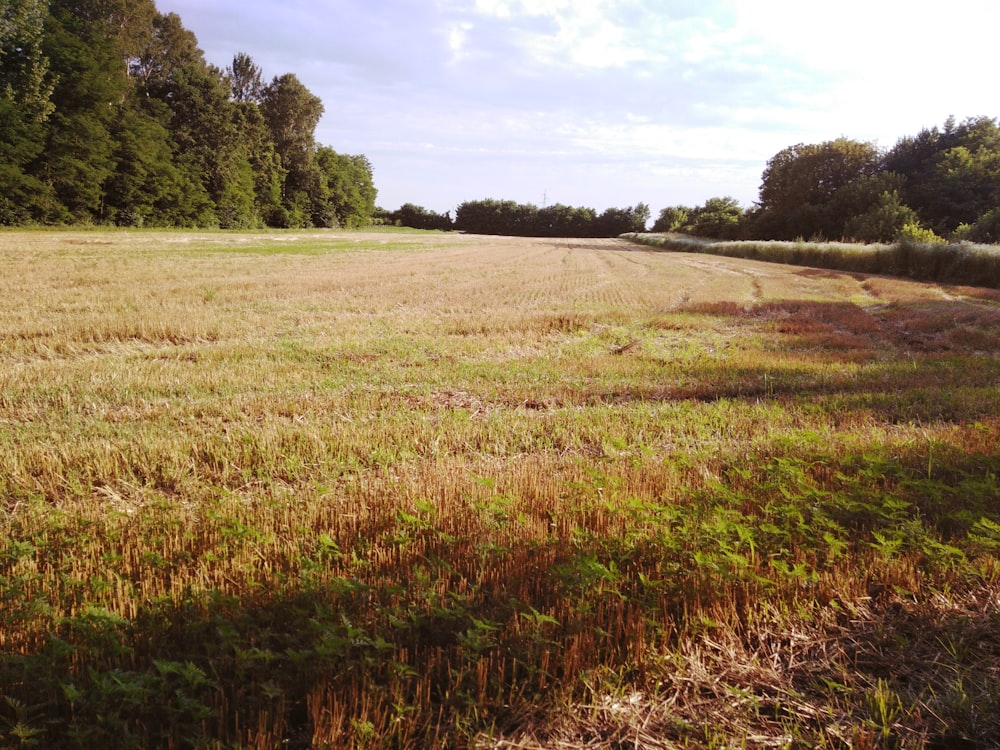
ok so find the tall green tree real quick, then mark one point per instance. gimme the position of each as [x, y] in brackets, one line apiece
[109, 112]
[148, 186]
[292, 113]
[255, 143]
[213, 133]
[91, 85]
[26, 86]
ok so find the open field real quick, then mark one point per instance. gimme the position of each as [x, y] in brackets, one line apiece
[433, 490]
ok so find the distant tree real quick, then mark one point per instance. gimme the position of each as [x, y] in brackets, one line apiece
[350, 189]
[615, 221]
[126, 24]
[672, 219]
[91, 84]
[418, 217]
[718, 218]
[986, 229]
[25, 79]
[883, 221]
[148, 187]
[799, 184]
[110, 113]
[491, 216]
[254, 138]
[203, 124]
[558, 220]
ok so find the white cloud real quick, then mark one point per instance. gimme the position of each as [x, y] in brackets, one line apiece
[601, 99]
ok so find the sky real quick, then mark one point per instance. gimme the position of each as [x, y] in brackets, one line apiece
[606, 103]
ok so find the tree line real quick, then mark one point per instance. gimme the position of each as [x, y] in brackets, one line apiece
[943, 183]
[491, 216]
[110, 114]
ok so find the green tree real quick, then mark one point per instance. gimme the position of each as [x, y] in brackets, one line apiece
[26, 87]
[25, 81]
[883, 221]
[799, 184]
[109, 112]
[615, 221]
[245, 79]
[416, 217]
[350, 188]
[254, 137]
[672, 219]
[559, 220]
[292, 113]
[719, 218]
[204, 124]
[265, 164]
[148, 188]
[952, 174]
[91, 85]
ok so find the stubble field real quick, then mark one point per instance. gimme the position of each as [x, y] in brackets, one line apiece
[433, 490]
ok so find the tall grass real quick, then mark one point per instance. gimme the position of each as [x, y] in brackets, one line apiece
[459, 492]
[954, 263]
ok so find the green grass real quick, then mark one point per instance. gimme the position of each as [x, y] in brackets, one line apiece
[456, 491]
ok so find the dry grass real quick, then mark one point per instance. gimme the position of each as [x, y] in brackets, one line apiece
[408, 490]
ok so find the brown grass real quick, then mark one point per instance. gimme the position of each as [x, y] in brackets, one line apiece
[414, 490]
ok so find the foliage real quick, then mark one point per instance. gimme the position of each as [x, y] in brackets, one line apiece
[953, 173]
[110, 114]
[26, 86]
[884, 220]
[492, 216]
[349, 188]
[944, 180]
[913, 233]
[671, 219]
[800, 185]
[415, 217]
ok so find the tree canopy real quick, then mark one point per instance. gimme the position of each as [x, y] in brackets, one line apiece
[945, 181]
[941, 183]
[110, 114]
[524, 219]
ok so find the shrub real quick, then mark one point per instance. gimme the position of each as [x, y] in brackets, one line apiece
[915, 234]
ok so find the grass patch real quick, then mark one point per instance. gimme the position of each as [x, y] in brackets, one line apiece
[955, 263]
[475, 492]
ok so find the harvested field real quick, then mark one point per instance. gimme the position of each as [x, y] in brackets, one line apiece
[398, 489]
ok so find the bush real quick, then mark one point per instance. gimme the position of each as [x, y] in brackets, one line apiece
[915, 234]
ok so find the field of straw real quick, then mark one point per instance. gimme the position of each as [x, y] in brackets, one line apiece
[410, 490]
